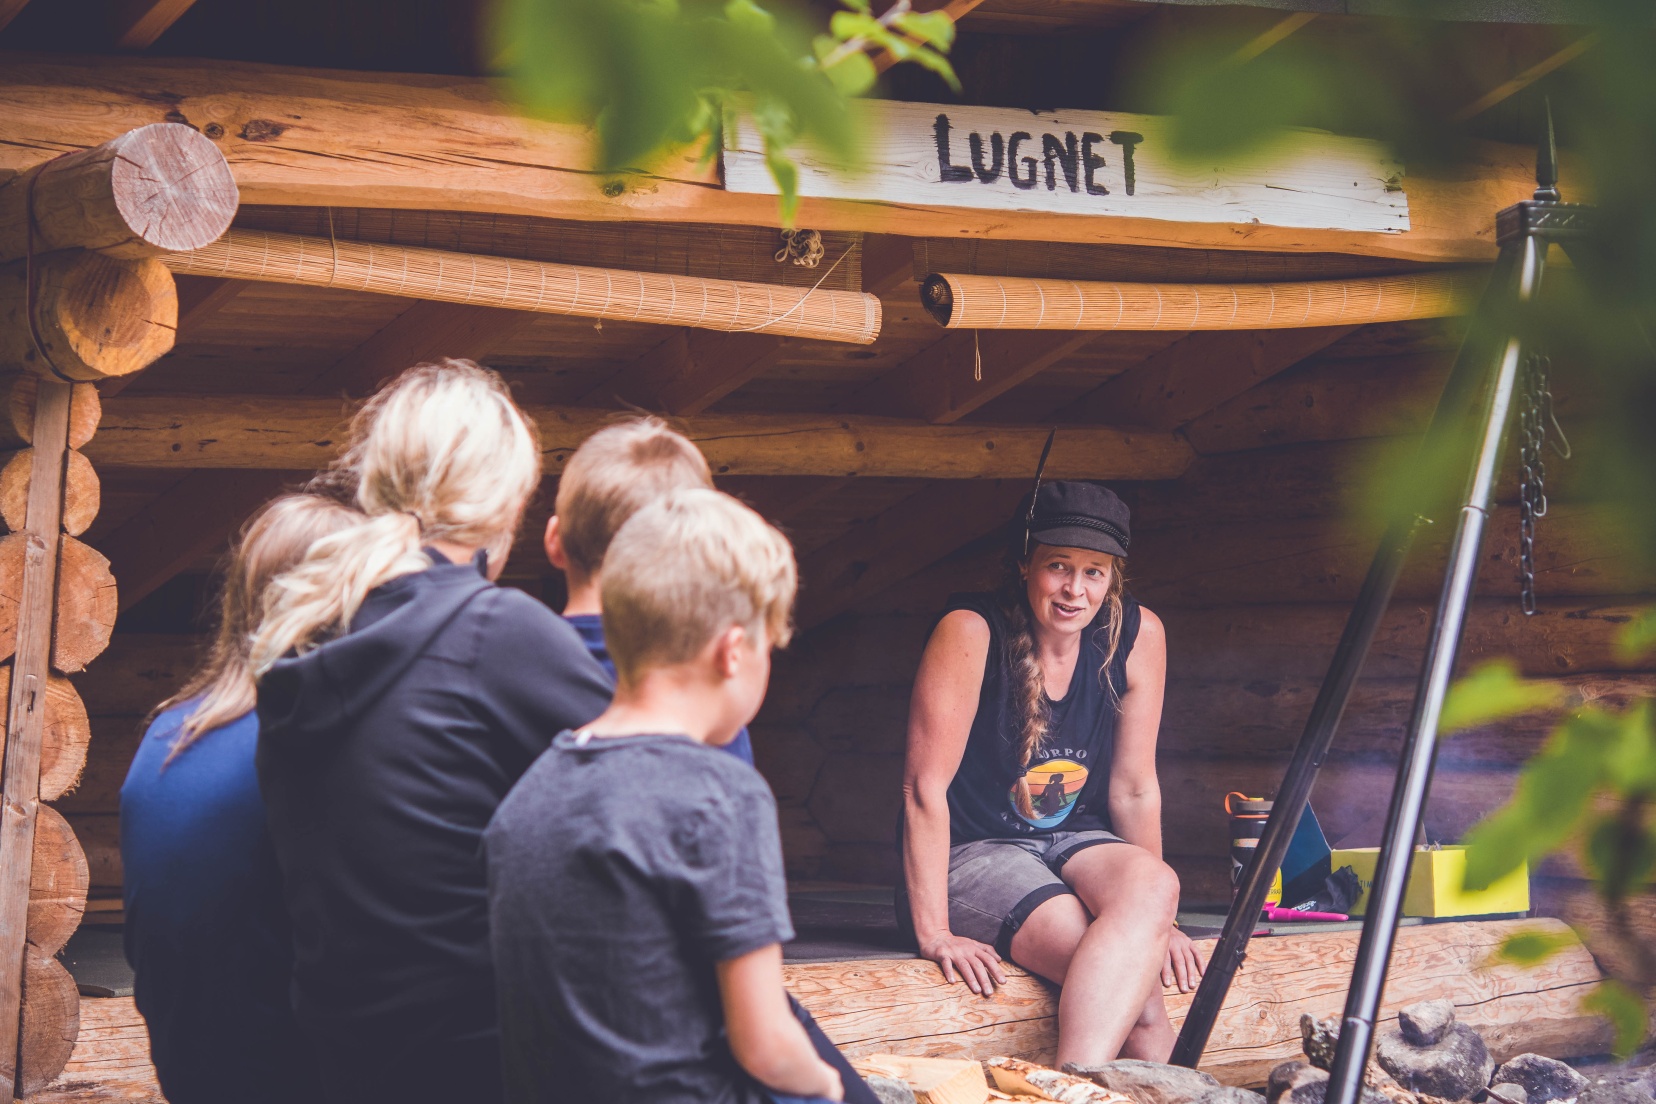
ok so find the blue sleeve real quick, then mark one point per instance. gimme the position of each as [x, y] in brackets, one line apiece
[533, 672]
[741, 747]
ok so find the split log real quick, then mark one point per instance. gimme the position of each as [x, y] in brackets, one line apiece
[871, 1007]
[111, 1058]
[51, 1022]
[86, 601]
[81, 492]
[933, 1080]
[67, 736]
[1020, 1078]
[223, 431]
[58, 881]
[95, 316]
[17, 409]
[157, 189]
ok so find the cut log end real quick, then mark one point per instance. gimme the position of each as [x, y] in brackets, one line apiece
[67, 735]
[95, 317]
[86, 601]
[17, 406]
[81, 492]
[50, 1026]
[58, 882]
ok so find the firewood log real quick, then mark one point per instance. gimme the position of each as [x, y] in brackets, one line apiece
[94, 317]
[67, 736]
[17, 407]
[51, 1022]
[81, 491]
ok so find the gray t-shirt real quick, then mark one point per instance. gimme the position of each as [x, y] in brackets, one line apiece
[621, 870]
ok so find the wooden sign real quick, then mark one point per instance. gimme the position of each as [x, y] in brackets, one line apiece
[1088, 163]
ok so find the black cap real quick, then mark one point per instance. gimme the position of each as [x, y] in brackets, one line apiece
[1073, 514]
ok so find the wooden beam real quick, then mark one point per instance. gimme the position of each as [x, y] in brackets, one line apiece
[26, 713]
[887, 263]
[226, 431]
[907, 538]
[1195, 374]
[953, 377]
[691, 370]
[300, 137]
[199, 298]
[138, 23]
[195, 517]
[870, 1007]
[157, 188]
[1526, 78]
[9, 10]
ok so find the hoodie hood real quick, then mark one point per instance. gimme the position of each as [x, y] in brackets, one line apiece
[308, 700]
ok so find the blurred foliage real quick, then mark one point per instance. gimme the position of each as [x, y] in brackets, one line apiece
[654, 75]
[1590, 789]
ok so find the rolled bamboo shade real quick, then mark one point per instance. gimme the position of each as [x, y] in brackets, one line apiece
[1010, 303]
[547, 288]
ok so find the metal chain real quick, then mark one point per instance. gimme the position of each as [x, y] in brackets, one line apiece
[1533, 416]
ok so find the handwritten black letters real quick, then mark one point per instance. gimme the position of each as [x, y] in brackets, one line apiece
[1071, 161]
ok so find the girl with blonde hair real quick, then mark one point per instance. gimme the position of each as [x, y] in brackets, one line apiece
[401, 694]
[206, 929]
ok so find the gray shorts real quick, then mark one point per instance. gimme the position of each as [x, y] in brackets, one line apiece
[995, 884]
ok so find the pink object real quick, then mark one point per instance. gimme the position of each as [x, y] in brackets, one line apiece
[1272, 912]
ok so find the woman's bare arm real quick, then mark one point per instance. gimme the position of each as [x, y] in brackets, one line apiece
[945, 700]
[1135, 791]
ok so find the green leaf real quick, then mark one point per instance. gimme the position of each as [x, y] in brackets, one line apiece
[1530, 948]
[1625, 1011]
[750, 17]
[853, 74]
[1637, 637]
[1620, 852]
[1494, 692]
[848, 25]
[857, 5]
[933, 28]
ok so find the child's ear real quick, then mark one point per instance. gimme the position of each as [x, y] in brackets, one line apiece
[553, 542]
[727, 652]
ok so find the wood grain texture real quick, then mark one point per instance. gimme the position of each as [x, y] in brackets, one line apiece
[296, 137]
[95, 316]
[50, 1026]
[81, 493]
[875, 1006]
[67, 736]
[200, 431]
[138, 23]
[58, 882]
[110, 1061]
[18, 391]
[27, 1044]
[691, 370]
[932, 1080]
[155, 189]
[959, 373]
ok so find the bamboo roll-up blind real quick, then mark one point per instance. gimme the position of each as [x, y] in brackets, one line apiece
[547, 288]
[1009, 303]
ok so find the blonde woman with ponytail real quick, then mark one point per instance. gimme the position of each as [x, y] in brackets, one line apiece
[206, 931]
[1032, 812]
[401, 695]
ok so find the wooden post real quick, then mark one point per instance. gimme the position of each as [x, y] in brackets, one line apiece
[26, 716]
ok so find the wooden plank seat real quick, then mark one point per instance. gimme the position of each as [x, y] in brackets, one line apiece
[900, 1005]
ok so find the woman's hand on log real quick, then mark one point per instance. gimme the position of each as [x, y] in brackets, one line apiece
[966, 960]
[1182, 966]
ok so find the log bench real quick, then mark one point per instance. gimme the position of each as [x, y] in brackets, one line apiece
[899, 1005]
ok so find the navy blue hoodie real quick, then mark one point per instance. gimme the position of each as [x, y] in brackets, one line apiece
[382, 755]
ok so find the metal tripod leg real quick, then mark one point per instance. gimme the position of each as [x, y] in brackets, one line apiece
[1442, 438]
[1414, 778]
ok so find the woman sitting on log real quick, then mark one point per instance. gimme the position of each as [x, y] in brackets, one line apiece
[206, 929]
[401, 695]
[1032, 813]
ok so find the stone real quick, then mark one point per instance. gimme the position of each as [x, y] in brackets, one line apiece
[1319, 1039]
[1229, 1094]
[1620, 1086]
[1148, 1082]
[890, 1090]
[1425, 1023]
[1456, 1067]
[1299, 1082]
[1542, 1079]
[1506, 1092]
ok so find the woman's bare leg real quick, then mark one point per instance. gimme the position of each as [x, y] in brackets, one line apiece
[1152, 1037]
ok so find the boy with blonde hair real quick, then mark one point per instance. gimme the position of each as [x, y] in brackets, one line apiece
[615, 473]
[635, 877]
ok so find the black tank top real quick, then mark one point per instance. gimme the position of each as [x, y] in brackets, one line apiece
[1069, 775]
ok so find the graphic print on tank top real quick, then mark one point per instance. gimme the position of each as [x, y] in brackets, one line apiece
[1054, 787]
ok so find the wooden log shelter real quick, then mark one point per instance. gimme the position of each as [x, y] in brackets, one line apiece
[214, 244]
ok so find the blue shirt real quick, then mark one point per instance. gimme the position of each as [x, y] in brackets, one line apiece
[591, 628]
[206, 932]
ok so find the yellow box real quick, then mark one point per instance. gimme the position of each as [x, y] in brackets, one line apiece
[1435, 884]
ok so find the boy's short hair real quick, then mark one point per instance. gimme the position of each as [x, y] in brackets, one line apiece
[616, 471]
[685, 568]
